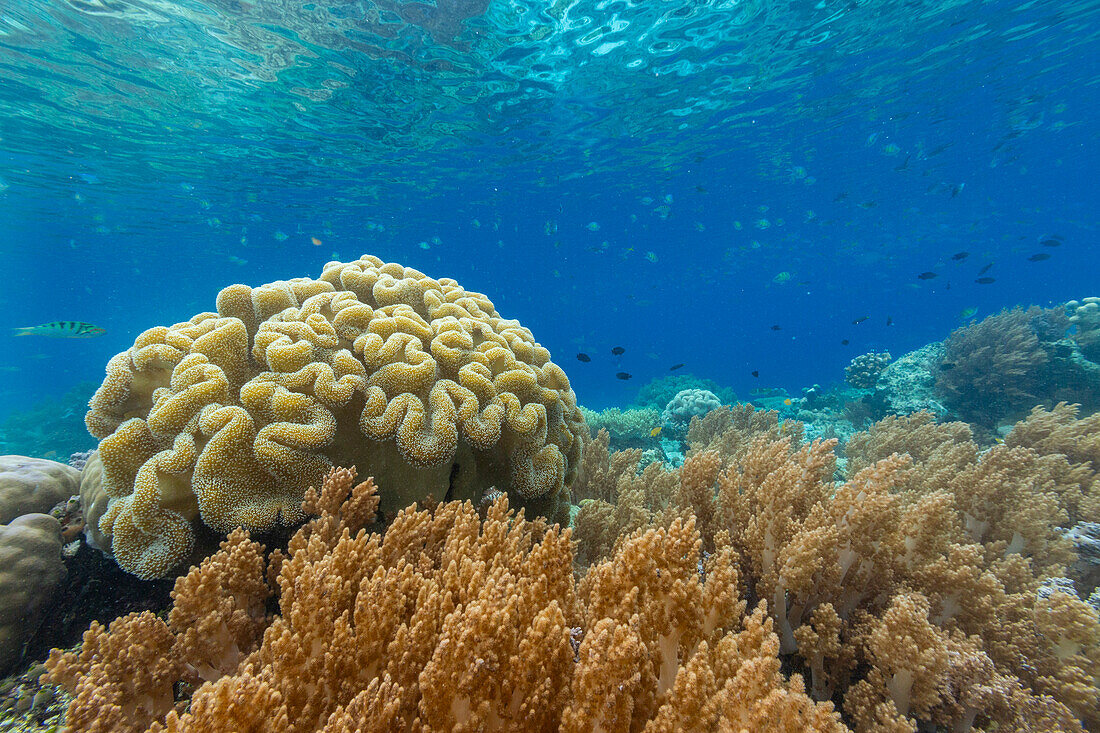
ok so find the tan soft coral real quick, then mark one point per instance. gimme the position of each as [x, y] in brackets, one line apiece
[1060, 432]
[123, 678]
[225, 419]
[454, 622]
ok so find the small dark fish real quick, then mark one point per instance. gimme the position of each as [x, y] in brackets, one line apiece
[860, 320]
[927, 276]
[959, 256]
[904, 165]
[777, 327]
[700, 189]
[618, 351]
[867, 204]
[889, 320]
[947, 366]
[622, 375]
[1051, 242]
[985, 280]
[841, 196]
[844, 342]
[937, 150]
[985, 269]
[584, 357]
[957, 189]
[1039, 257]
[674, 367]
[756, 373]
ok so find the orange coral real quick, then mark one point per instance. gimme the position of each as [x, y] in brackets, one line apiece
[908, 592]
[451, 622]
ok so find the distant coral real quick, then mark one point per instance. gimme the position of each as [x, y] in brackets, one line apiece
[687, 403]
[864, 370]
[1085, 316]
[908, 384]
[52, 428]
[226, 418]
[995, 369]
[657, 393]
[626, 428]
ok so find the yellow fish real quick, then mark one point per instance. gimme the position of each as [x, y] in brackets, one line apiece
[655, 432]
[787, 402]
[62, 329]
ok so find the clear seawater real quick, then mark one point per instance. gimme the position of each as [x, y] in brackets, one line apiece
[675, 178]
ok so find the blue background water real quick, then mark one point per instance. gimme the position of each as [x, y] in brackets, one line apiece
[609, 173]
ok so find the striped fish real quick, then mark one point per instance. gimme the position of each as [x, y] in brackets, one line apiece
[62, 329]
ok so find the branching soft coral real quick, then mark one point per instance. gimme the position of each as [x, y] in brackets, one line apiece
[455, 622]
[122, 678]
[730, 430]
[907, 593]
[996, 365]
[1059, 432]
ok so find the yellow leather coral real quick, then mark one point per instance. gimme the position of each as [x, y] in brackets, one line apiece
[229, 416]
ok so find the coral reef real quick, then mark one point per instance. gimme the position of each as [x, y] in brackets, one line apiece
[30, 569]
[730, 430]
[34, 485]
[909, 592]
[1085, 571]
[1085, 316]
[31, 542]
[687, 403]
[448, 622]
[657, 393]
[908, 384]
[80, 459]
[226, 418]
[52, 429]
[93, 503]
[754, 588]
[626, 428]
[864, 370]
[994, 371]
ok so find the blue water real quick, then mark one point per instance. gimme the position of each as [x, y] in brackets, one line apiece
[675, 178]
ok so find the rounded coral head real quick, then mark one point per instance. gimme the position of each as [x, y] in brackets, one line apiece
[227, 418]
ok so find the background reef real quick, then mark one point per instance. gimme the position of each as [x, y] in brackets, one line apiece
[817, 566]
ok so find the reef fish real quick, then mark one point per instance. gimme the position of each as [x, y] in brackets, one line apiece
[674, 367]
[927, 276]
[584, 357]
[62, 329]
[655, 432]
[1038, 257]
[985, 280]
[623, 375]
[618, 351]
